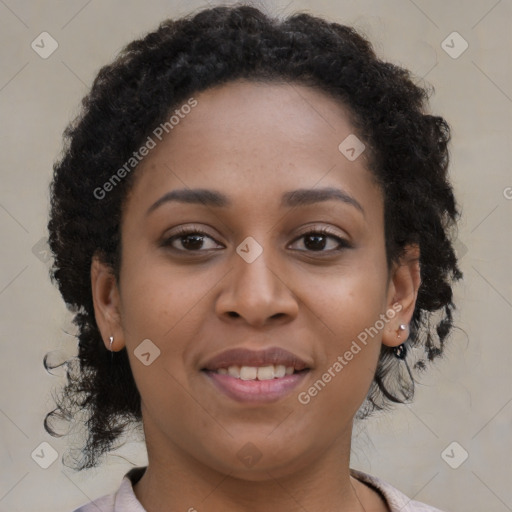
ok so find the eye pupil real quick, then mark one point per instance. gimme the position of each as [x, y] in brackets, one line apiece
[318, 243]
[197, 241]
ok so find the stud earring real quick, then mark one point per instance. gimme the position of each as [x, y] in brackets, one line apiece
[111, 341]
[401, 327]
[401, 350]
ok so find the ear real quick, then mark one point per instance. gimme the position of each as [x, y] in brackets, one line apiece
[404, 284]
[107, 306]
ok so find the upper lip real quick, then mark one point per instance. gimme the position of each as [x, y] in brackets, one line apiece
[247, 357]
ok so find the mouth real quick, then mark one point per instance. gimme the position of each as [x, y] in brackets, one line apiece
[256, 376]
[269, 372]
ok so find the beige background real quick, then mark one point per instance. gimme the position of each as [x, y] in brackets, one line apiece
[466, 398]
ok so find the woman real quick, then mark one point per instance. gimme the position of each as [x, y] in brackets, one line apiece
[251, 220]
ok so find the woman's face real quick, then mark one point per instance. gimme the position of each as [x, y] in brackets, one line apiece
[258, 277]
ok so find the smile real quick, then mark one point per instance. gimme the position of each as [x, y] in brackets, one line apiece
[268, 372]
[261, 376]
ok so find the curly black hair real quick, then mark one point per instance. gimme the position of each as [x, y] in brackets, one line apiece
[409, 158]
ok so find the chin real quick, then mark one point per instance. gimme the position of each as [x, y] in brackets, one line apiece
[254, 464]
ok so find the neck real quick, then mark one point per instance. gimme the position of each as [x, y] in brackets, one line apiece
[175, 481]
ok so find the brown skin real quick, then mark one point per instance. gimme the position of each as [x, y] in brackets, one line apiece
[253, 142]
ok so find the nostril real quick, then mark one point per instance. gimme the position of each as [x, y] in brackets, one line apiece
[233, 314]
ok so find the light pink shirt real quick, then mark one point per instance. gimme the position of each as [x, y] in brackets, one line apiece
[124, 500]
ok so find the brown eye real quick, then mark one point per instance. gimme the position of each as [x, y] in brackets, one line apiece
[190, 240]
[317, 240]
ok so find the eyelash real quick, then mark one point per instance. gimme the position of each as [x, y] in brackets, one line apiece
[183, 232]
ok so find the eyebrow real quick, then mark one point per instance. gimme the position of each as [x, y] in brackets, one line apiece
[293, 198]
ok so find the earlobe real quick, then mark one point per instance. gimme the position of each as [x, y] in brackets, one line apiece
[106, 301]
[402, 295]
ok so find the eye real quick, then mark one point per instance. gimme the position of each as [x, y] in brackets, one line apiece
[194, 240]
[316, 240]
[191, 240]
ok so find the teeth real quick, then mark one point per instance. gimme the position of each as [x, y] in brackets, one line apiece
[234, 371]
[248, 373]
[268, 372]
[280, 371]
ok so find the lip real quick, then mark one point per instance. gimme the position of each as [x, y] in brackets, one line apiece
[246, 357]
[255, 391]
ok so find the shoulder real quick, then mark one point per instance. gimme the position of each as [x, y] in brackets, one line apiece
[104, 503]
[123, 500]
[395, 499]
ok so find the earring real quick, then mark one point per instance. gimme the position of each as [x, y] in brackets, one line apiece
[401, 350]
[401, 327]
[111, 351]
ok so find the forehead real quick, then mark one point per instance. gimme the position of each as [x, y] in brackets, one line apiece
[259, 117]
[255, 139]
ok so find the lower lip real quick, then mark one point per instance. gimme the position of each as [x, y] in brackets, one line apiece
[255, 390]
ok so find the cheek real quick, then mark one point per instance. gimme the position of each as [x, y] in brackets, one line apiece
[347, 307]
[151, 310]
[158, 301]
[161, 306]
[348, 299]
[348, 358]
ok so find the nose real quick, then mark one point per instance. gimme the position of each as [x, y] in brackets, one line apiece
[256, 294]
